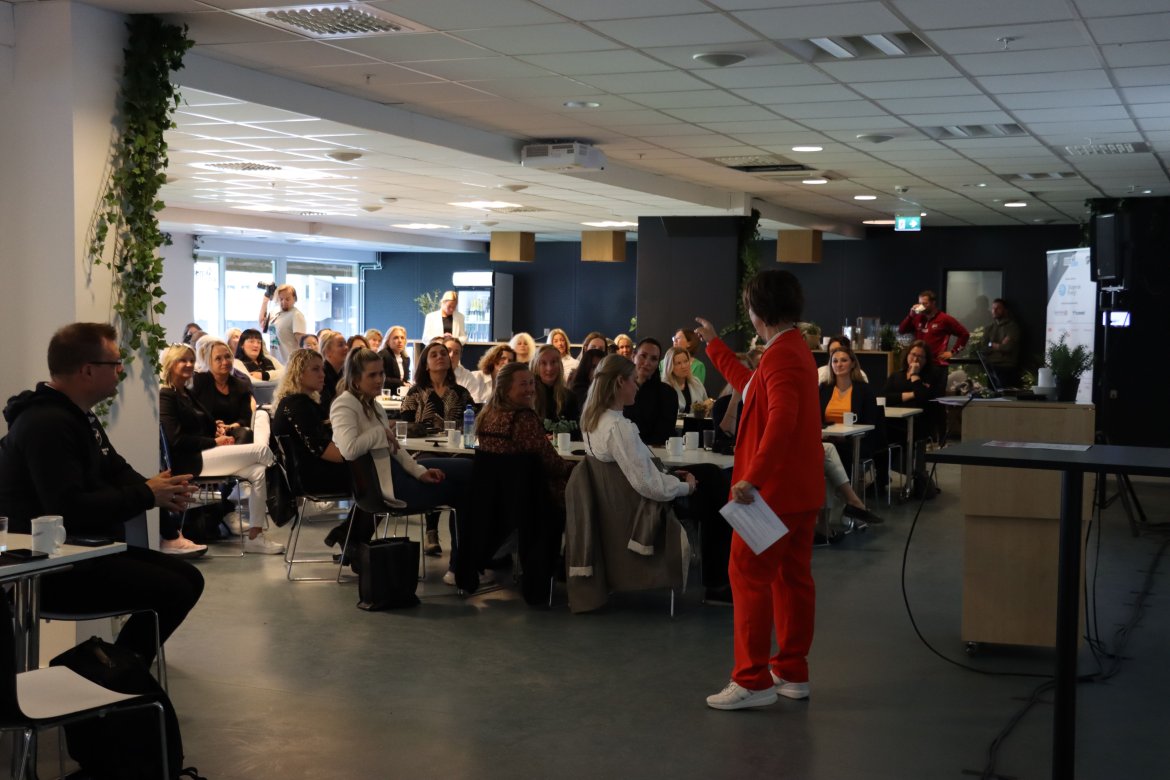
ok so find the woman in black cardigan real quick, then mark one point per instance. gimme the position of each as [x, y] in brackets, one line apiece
[846, 389]
[224, 396]
[918, 383]
[395, 359]
[199, 444]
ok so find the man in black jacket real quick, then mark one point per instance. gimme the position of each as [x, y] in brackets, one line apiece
[57, 459]
[655, 407]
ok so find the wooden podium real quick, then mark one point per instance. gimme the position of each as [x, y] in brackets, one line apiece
[1012, 524]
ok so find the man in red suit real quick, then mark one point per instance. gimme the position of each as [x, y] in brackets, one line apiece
[778, 459]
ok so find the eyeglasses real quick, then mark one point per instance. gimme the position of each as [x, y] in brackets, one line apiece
[117, 363]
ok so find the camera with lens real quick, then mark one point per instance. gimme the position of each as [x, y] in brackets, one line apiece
[269, 288]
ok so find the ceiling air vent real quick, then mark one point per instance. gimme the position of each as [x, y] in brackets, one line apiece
[762, 163]
[858, 47]
[517, 210]
[243, 167]
[962, 132]
[332, 20]
[1085, 150]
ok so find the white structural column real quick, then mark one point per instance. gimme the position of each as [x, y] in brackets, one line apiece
[60, 65]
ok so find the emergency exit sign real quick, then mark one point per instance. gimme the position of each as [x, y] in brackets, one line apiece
[908, 223]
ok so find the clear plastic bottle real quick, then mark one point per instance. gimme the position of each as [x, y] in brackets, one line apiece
[468, 426]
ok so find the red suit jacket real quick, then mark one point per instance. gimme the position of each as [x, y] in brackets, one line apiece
[778, 443]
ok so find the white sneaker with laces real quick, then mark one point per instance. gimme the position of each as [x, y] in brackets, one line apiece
[790, 690]
[234, 524]
[263, 545]
[736, 697]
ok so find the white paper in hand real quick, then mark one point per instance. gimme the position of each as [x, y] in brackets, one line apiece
[756, 523]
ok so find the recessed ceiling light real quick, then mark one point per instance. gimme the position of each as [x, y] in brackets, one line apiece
[388, 199]
[609, 223]
[875, 138]
[420, 226]
[808, 148]
[878, 222]
[1015, 204]
[486, 204]
[865, 197]
[719, 59]
[1147, 192]
[371, 209]
[489, 223]
[581, 104]
[923, 214]
[814, 181]
[341, 155]
[513, 187]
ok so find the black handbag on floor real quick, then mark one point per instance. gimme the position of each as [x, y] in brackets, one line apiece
[388, 574]
[120, 745]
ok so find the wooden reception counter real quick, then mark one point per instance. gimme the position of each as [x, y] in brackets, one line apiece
[1011, 523]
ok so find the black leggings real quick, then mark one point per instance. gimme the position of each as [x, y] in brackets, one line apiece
[702, 507]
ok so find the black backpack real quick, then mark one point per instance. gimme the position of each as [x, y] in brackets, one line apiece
[121, 745]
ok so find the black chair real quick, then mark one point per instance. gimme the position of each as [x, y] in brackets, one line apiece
[55, 696]
[367, 495]
[288, 462]
[512, 497]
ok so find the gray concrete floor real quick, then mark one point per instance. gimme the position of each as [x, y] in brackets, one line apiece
[273, 679]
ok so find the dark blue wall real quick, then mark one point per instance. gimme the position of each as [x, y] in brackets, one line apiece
[556, 291]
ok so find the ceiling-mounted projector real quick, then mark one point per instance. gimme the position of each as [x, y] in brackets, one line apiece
[568, 156]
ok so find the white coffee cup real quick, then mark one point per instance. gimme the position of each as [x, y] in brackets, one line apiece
[454, 438]
[564, 441]
[849, 418]
[825, 342]
[691, 440]
[867, 344]
[881, 400]
[674, 445]
[48, 533]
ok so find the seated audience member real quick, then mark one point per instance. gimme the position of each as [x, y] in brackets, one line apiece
[594, 340]
[321, 334]
[839, 493]
[463, 377]
[300, 417]
[198, 445]
[611, 437]
[624, 346]
[685, 338]
[509, 424]
[232, 339]
[191, 333]
[555, 404]
[655, 407]
[224, 396]
[57, 460]
[253, 359]
[524, 347]
[395, 358]
[333, 349]
[917, 384]
[824, 375]
[433, 399]
[583, 376]
[559, 339]
[360, 427]
[356, 342]
[309, 341]
[676, 373]
[499, 355]
[374, 339]
[849, 393]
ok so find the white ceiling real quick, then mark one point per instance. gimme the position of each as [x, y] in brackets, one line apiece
[439, 115]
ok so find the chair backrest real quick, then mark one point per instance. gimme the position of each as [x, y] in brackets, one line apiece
[367, 490]
[508, 487]
[10, 713]
[289, 462]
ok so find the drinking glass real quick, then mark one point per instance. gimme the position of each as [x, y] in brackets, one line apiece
[3, 534]
[400, 430]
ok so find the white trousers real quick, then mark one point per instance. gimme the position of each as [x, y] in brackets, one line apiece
[835, 477]
[248, 461]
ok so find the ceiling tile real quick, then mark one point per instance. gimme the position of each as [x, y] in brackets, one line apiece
[892, 69]
[211, 28]
[765, 76]
[539, 39]
[1071, 114]
[1024, 37]
[778, 96]
[917, 88]
[1137, 54]
[1075, 79]
[700, 98]
[705, 29]
[759, 53]
[372, 74]
[479, 69]
[947, 14]
[767, 126]
[1066, 98]
[461, 15]
[416, 47]
[811, 21]
[1141, 77]
[595, 62]
[538, 87]
[1018, 62]
[857, 124]
[934, 105]
[834, 109]
[631, 83]
[1083, 128]
[731, 113]
[289, 54]
[622, 9]
[1131, 29]
[1147, 94]
[960, 118]
[430, 93]
[1094, 8]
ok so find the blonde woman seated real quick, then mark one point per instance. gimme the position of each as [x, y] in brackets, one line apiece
[199, 445]
[624, 345]
[360, 427]
[559, 339]
[612, 438]
[524, 347]
[497, 356]
[555, 403]
[676, 372]
[374, 339]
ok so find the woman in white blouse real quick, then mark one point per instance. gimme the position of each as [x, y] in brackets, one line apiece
[559, 339]
[610, 437]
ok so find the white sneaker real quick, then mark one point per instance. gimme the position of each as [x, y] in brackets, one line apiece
[263, 545]
[449, 578]
[234, 524]
[181, 547]
[790, 690]
[736, 697]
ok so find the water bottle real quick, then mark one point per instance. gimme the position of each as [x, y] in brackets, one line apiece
[468, 426]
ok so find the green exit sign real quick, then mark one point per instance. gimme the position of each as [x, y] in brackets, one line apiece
[908, 223]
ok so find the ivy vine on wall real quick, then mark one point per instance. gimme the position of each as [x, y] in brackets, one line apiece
[126, 213]
[748, 264]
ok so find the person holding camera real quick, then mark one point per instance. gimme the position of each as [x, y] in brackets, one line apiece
[288, 322]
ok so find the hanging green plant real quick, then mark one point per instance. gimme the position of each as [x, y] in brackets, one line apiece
[127, 210]
[748, 265]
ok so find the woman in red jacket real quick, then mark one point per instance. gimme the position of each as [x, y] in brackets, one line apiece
[779, 459]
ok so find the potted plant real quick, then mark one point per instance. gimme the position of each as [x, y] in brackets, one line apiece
[1067, 364]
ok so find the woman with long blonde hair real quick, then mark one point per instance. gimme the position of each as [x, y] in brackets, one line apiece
[555, 404]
